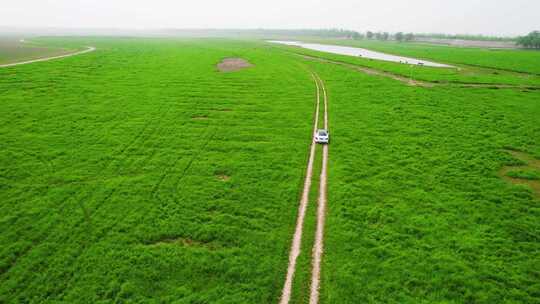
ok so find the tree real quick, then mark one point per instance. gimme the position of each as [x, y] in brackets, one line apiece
[357, 36]
[378, 36]
[385, 36]
[532, 40]
[524, 41]
[399, 36]
[409, 37]
[369, 35]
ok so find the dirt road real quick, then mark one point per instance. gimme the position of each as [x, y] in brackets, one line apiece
[297, 238]
[88, 50]
[321, 209]
[318, 245]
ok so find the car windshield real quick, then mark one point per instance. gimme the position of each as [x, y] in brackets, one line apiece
[322, 133]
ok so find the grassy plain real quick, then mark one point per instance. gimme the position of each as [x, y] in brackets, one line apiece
[417, 212]
[139, 173]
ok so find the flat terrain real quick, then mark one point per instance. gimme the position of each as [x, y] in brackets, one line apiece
[417, 210]
[141, 173]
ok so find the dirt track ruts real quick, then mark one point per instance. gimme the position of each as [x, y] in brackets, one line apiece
[318, 245]
[317, 250]
[297, 237]
[88, 50]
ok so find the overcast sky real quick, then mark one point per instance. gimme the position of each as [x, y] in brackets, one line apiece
[494, 17]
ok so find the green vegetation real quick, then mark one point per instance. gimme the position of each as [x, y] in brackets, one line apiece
[139, 173]
[524, 174]
[532, 40]
[417, 212]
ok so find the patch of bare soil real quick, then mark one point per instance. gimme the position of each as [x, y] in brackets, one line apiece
[531, 163]
[233, 64]
[223, 177]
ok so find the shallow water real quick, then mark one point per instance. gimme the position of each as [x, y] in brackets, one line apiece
[359, 52]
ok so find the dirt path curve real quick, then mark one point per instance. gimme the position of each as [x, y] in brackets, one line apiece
[297, 238]
[87, 50]
[420, 83]
[317, 251]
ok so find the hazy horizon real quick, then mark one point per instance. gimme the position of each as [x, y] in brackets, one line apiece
[500, 18]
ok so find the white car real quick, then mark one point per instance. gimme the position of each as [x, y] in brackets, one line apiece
[322, 136]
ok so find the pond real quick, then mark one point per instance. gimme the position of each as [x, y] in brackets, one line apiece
[359, 52]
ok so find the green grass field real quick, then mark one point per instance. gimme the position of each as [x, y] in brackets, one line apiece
[417, 212]
[139, 173]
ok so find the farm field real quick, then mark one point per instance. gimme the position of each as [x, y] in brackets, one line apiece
[13, 50]
[140, 173]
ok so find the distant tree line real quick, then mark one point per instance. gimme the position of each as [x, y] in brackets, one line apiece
[325, 33]
[465, 37]
[400, 36]
[532, 40]
[337, 33]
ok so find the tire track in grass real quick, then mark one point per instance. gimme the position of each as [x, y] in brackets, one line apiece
[194, 157]
[297, 237]
[212, 131]
[321, 213]
[88, 212]
[419, 83]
